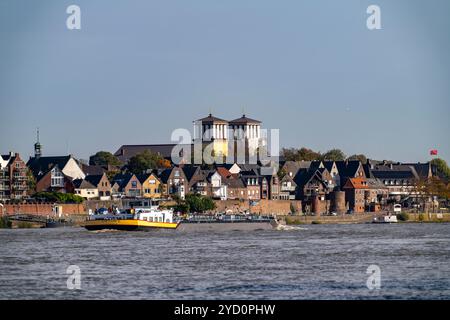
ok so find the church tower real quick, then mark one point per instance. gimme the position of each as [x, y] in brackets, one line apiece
[248, 131]
[212, 131]
[37, 147]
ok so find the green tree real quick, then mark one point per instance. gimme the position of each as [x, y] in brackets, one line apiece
[334, 155]
[442, 169]
[302, 154]
[104, 158]
[198, 203]
[59, 197]
[360, 157]
[31, 182]
[144, 161]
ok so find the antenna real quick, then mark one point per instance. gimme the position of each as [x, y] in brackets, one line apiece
[38, 134]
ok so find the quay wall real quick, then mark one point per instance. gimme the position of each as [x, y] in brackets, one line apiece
[279, 207]
[44, 209]
[364, 217]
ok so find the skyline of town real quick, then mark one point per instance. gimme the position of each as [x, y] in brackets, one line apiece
[29, 152]
[312, 69]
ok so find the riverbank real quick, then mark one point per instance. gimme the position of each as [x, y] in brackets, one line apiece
[364, 218]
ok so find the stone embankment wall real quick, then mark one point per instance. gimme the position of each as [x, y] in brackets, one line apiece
[279, 207]
[363, 218]
[43, 209]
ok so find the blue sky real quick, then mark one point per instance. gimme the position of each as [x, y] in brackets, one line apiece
[139, 69]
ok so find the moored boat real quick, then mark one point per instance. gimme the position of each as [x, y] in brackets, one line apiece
[385, 219]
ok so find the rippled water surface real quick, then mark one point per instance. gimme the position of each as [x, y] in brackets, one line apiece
[319, 262]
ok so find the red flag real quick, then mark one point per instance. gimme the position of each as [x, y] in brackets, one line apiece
[434, 152]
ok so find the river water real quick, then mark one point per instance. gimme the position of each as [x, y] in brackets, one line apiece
[315, 262]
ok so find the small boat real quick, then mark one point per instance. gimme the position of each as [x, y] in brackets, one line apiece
[139, 219]
[57, 223]
[385, 219]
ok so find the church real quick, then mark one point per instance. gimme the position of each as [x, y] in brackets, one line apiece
[241, 136]
[226, 136]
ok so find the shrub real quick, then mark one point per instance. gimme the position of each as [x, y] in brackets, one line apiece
[5, 223]
[293, 209]
[59, 197]
[316, 222]
[421, 217]
[198, 203]
[403, 216]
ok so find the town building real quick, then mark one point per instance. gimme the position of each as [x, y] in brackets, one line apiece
[212, 132]
[85, 189]
[174, 182]
[126, 185]
[365, 194]
[13, 177]
[151, 186]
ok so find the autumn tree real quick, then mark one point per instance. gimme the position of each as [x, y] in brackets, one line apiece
[442, 169]
[146, 160]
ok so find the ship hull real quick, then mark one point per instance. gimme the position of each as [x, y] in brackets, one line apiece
[225, 226]
[128, 225]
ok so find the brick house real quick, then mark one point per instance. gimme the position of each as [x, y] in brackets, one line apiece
[364, 194]
[151, 186]
[349, 169]
[287, 188]
[127, 185]
[174, 182]
[54, 180]
[311, 183]
[13, 177]
[236, 189]
[102, 184]
[251, 181]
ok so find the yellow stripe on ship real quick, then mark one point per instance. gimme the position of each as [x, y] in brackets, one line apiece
[132, 222]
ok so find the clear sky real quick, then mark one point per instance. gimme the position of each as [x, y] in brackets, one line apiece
[139, 69]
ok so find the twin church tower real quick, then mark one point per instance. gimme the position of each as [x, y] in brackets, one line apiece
[222, 134]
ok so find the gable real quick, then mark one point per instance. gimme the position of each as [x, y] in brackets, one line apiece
[73, 170]
[133, 183]
[151, 180]
[235, 169]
